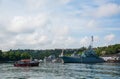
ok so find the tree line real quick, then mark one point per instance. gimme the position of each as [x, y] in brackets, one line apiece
[14, 55]
[108, 50]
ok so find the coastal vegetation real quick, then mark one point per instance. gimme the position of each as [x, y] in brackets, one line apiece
[108, 50]
[14, 55]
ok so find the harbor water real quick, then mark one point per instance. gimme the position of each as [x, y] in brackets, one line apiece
[61, 71]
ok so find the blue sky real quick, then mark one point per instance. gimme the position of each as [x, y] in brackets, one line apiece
[49, 24]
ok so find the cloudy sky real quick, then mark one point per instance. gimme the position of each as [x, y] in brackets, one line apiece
[49, 24]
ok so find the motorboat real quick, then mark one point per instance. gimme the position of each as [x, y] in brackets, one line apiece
[26, 63]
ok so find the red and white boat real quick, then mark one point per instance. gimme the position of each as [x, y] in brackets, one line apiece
[26, 63]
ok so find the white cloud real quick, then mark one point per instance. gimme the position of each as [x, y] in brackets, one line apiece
[109, 37]
[36, 4]
[26, 23]
[43, 39]
[96, 38]
[60, 31]
[34, 38]
[7, 42]
[107, 10]
[92, 24]
[65, 42]
[65, 1]
[26, 39]
[45, 4]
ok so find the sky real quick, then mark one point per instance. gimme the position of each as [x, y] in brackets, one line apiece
[50, 24]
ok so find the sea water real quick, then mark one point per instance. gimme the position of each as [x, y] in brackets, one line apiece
[61, 71]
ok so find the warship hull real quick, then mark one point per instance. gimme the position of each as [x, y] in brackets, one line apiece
[66, 59]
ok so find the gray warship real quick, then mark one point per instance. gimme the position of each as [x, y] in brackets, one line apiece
[88, 56]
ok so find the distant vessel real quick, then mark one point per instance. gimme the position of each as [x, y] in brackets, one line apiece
[49, 59]
[26, 63]
[88, 56]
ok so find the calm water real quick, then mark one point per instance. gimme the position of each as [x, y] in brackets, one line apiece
[61, 71]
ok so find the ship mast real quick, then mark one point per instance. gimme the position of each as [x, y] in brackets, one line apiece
[62, 53]
[92, 39]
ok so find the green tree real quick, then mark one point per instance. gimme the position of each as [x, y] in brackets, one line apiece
[1, 58]
[12, 56]
[17, 55]
[0, 53]
[25, 55]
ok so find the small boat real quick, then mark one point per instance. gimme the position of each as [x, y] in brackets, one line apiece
[26, 63]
